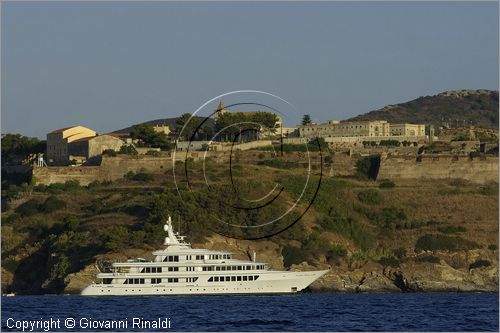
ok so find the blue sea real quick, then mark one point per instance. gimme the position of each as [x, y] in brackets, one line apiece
[301, 312]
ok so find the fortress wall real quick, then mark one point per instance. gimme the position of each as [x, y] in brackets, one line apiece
[479, 170]
[50, 175]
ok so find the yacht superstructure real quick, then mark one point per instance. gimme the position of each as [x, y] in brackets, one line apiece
[181, 270]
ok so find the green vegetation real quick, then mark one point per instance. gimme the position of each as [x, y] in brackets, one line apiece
[148, 137]
[492, 247]
[306, 120]
[388, 217]
[292, 255]
[371, 197]
[276, 163]
[441, 242]
[18, 147]
[350, 223]
[368, 167]
[128, 150]
[139, 176]
[480, 263]
[480, 107]
[452, 229]
[429, 259]
[386, 184]
[109, 152]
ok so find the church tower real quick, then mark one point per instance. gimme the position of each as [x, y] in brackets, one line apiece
[221, 109]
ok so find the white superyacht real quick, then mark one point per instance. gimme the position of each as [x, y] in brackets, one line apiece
[182, 270]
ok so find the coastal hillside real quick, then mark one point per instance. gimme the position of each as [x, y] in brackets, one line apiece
[476, 107]
[384, 235]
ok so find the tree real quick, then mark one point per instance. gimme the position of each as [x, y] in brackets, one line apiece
[21, 146]
[306, 120]
[186, 124]
[148, 137]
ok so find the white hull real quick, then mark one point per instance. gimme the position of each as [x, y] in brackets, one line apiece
[272, 282]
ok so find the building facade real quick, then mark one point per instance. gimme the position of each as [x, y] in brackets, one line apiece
[407, 129]
[58, 140]
[86, 148]
[346, 129]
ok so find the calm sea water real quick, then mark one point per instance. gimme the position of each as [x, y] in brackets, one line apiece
[302, 312]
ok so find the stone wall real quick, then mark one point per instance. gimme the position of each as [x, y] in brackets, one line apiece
[50, 175]
[479, 170]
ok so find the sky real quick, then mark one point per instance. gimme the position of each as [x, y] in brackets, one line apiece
[110, 65]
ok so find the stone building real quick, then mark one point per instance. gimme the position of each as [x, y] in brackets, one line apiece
[58, 140]
[407, 129]
[346, 129]
[86, 148]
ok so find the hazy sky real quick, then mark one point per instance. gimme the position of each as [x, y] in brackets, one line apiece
[110, 65]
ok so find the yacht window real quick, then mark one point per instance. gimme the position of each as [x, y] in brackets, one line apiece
[250, 278]
[228, 278]
[173, 280]
[217, 268]
[255, 277]
[223, 268]
[233, 278]
[173, 269]
[211, 279]
[249, 268]
[238, 278]
[155, 281]
[107, 281]
[239, 268]
[234, 268]
[244, 278]
[216, 278]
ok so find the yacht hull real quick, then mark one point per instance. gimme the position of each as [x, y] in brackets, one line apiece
[272, 282]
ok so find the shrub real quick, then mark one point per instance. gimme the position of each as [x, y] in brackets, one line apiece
[389, 217]
[452, 229]
[128, 150]
[279, 164]
[109, 152]
[154, 153]
[29, 208]
[488, 190]
[371, 197]
[442, 242]
[400, 252]
[473, 154]
[492, 247]
[390, 143]
[431, 259]
[480, 263]
[389, 261]
[52, 204]
[293, 255]
[387, 184]
[368, 167]
[140, 176]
